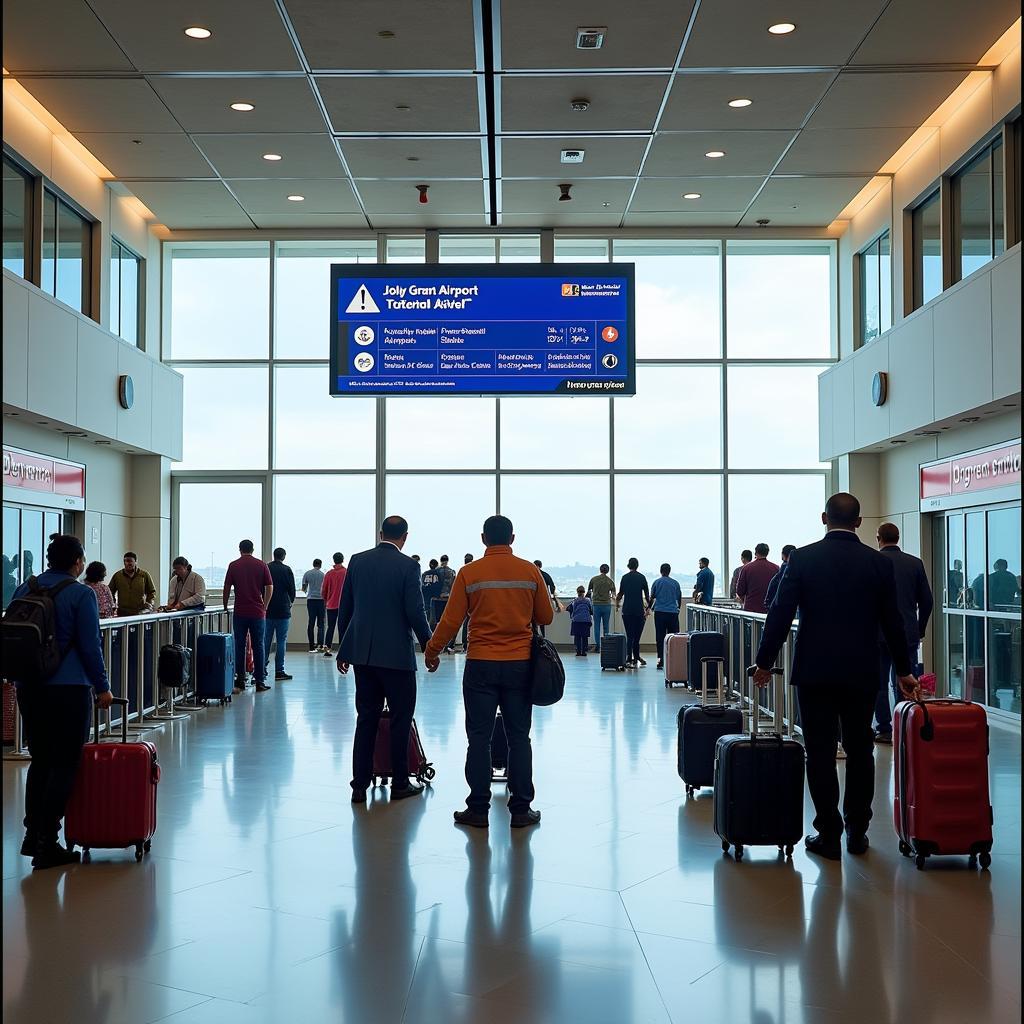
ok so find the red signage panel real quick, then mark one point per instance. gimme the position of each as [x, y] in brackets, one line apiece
[40, 479]
[971, 474]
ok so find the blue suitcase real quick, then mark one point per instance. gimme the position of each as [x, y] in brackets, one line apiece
[705, 644]
[215, 667]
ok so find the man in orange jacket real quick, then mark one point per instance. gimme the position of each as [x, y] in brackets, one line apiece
[503, 597]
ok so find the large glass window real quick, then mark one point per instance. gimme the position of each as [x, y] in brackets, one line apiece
[561, 520]
[316, 515]
[425, 433]
[673, 421]
[775, 510]
[978, 211]
[875, 271]
[17, 218]
[212, 519]
[779, 300]
[554, 433]
[581, 250]
[678, 297]
[220, 301]
[302, 293]
[1004, 581]
[125, 275]
[926, 223]
[67, 254]
[225, 417]
[675, 519]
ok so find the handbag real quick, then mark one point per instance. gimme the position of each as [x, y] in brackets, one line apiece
[547, 673]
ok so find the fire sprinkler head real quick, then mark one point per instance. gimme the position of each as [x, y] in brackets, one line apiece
[565, 197]
[422, 189]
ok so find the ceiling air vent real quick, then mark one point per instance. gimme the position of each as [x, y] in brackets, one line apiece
[590, 38]
[573, 156]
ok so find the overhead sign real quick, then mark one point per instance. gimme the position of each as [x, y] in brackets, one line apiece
[989, 475]
[41, 480]
[418, 329]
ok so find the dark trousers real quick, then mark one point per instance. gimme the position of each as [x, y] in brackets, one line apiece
[487, 686]
[373, 687]
[57, 720]
[316, 610]
[664, 623]
[257, 631]
[634, 626]
[332, 621]
[886, 679]
[824, 710]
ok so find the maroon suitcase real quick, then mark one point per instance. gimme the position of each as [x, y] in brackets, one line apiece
[941, 804]
[419, 768]
[113, 805]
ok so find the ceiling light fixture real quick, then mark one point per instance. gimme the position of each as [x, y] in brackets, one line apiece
[422, 189]
[403, 107]
[691, 195]
[272, 156]
[572, 156]
[763, 222]
[386, 33]
[782, 28]
[244, 107]
[580, 104]
[564, 190]
[198, 32]
[740, 101]
[714, 154]
[590, 38]
[413, 159]
[296, 199]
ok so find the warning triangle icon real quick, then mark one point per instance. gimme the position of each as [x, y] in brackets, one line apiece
[362, 302]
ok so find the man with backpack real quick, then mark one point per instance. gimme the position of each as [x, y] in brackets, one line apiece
[53, 652]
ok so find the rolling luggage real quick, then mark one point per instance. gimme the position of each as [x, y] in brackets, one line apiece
[215, 667]
[174, 666]
[613, 651]
[700, 728]
[707, 644]
[942, 803]
[759, 787]
[113, 805]
[676, 667]
[499, 751]
[419, 768]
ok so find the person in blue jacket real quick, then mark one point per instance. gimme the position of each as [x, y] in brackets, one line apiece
[58, 712]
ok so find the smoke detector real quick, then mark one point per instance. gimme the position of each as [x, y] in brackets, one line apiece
[590, 38]
[565, 197]
[573, 156]
[580, 104]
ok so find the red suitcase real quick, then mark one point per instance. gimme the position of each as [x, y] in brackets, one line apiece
[941, 804]
[419, 768]
[113, 805]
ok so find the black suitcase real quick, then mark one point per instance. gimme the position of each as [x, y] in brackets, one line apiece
[174, 667]
[613, 651]
[215, 667]
[759, 788]
[499, 751]
[700, 727]
[705, 644]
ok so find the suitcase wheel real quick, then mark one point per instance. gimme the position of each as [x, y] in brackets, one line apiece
[147, 845]
[621, 668]
[739, 852]
[725, 846]
[689, 792]
[919, 861]
[787, 849]
[904, 848]
[985, 859]
[429, 773]
[86, 855]
[138, 852]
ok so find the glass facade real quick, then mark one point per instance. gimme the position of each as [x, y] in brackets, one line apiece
[125, 291]
[67, 254]
[685, 469]
[17, 218]
[26, 534]
[927, 240]
[874, 266]
[978, 211]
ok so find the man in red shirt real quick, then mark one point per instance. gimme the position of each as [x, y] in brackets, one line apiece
[334, 583]
[752, 586]
[253, 589]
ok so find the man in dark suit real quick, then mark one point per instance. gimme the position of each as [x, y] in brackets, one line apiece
[381, 608]
[914, 600]
[845, 593]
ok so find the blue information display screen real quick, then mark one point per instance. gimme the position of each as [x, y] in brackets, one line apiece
[564, 329]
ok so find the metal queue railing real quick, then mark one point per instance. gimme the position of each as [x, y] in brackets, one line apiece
[131, 652]
[742, 631]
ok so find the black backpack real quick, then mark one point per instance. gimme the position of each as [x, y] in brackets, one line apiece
[31, 653]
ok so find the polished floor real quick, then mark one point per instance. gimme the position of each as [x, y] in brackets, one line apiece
[268, 898]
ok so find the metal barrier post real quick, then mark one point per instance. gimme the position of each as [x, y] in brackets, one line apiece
[194, 624]
[160, 715]
[140, 724]
[18, 751]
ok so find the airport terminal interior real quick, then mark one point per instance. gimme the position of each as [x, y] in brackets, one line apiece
[651, 281]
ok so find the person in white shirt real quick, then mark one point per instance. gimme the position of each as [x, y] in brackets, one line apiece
[187, 590]
[312, 587]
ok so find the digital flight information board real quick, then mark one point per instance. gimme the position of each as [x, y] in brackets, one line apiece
[439, 329]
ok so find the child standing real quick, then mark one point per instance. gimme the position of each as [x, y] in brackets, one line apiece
[581, 614]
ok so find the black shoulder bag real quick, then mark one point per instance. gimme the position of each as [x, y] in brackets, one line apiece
[547, 673]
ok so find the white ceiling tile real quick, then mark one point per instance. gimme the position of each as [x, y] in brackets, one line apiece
[540, 34]
[723, 219]
[204, 104]
[560, 219]
[309, 221]
[618, 103]
[58, 35]
[147, 154]
[603, 157]
[750, 152]
[418, 221]
[842, 150]
[665, 195]
[437, 104]
[434, 158]
[191, 204]
[401, 198]
[428, 34]
[330, 195]
[862, 99]
[813, 202]
[588, 196]
[248, 35]
[241, 156]
[103, 104]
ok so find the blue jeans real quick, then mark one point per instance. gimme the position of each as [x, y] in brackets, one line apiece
[887, 678]
[256, 629]
[277, 629]
[602, 616]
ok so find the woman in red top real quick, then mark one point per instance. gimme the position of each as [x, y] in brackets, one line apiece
[333, 583]
[95, 574]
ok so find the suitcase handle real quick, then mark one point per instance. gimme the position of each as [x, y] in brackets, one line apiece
[704, 662]
[777, 674]
[123, 701]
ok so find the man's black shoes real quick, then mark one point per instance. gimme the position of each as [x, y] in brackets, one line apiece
[857, 845]
[405, 791]
[476, 819]
[53, 855]
[822, 847]
[526, 819]
[359, 796]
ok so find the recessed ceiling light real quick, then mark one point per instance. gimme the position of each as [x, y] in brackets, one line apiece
[572, 156]
[782, 28]
[296, 199]
[386, 33]
[242, 106]
[691, 195]
[413, 159]
[198, 32]
[740, 101]
[271, 156]
[714, 154]
[590, 38]
[403, 107]
[580, 104]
